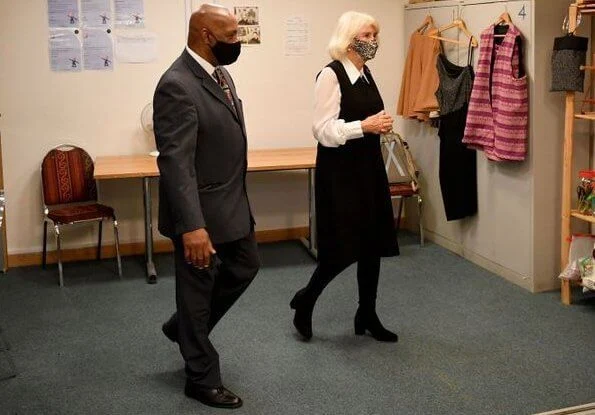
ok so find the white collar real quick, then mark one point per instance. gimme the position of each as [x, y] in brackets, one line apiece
[352, 73]
[201, 61]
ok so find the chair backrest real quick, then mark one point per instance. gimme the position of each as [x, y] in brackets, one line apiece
[67, 176]
[398, 161]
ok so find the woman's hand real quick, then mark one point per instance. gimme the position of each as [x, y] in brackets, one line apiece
[378, 123]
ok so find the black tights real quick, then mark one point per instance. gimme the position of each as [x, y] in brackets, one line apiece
[368, 270]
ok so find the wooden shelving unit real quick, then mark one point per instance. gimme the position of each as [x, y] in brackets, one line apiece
[586, 218]
[567, 172]
[584, 8]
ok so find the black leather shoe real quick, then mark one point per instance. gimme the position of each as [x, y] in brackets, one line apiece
[219, 397]
[170, 331]
[303, 314]
[368, 320]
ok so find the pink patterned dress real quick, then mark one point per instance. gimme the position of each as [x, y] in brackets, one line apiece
[497, 121]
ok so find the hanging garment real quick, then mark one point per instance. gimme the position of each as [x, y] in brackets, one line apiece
[499, 108]
[458, 164]
[420, 78]
[569, 54]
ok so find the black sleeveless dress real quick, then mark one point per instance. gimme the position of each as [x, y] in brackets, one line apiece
[354, 215]
[458, 164]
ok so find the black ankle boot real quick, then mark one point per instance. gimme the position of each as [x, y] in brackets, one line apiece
[368, 320]
[303, 307]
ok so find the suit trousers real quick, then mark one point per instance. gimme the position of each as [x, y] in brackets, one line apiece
[202, 299]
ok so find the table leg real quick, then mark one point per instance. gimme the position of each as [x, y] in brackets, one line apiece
[310, 241]
[150, 266]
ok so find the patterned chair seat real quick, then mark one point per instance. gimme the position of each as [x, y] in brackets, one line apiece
[72, 214]
[401, 189]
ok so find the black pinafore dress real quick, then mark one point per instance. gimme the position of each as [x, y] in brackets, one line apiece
[354, 215]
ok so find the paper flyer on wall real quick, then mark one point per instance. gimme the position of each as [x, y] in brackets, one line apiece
[297, 36]
[135, 47]
[65, 51]
[96, 13]
[98, 51]
[249, 24]
[63, 13]
[129, 13]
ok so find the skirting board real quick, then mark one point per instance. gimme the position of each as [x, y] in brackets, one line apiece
[480, 260]
[138, 248]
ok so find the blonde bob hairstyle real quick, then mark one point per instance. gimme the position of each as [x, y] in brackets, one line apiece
[348, 27]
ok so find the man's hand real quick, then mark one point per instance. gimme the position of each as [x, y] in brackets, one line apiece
[198, 248]
[378, 123]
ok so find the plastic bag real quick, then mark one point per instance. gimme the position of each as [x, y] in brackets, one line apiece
[581, 246]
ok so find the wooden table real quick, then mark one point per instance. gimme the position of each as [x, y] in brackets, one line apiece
[145, 167]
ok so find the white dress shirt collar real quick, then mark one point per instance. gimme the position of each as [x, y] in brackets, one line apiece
[202, 62]
[352, 71]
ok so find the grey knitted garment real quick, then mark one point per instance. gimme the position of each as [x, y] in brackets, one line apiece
[570, 52]
[566, 73]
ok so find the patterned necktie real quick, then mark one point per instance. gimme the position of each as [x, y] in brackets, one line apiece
[218, 74]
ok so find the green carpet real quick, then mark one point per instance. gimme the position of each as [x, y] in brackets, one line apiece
[470, 342]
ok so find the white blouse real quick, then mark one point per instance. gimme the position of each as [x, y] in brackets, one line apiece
[328, 129]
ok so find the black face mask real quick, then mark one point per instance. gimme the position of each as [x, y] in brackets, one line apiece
[226, 53]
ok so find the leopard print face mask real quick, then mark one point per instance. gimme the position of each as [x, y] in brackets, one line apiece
[367, 50]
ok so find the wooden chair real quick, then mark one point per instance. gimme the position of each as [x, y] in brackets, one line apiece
[402, 175]
[70, 197]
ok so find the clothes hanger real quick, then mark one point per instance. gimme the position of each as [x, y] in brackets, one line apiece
[428, 21]
[503, 20]
[456, 23]
[566, 25]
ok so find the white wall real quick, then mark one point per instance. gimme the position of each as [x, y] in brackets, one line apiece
[100, 110]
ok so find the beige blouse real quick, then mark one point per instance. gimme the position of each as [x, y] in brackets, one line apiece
[420, 78]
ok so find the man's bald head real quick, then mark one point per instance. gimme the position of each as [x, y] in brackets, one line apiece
[209, 21]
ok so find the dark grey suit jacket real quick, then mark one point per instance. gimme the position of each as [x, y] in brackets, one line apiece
[202, 154]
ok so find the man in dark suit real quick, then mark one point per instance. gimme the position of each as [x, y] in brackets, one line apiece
[204, 208]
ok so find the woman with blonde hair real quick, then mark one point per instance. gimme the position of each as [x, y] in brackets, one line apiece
[354, 216]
